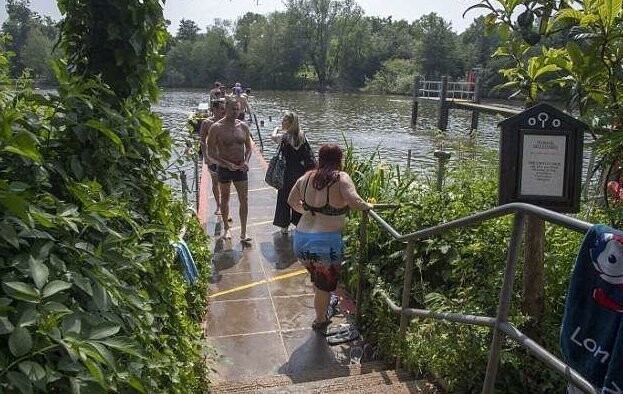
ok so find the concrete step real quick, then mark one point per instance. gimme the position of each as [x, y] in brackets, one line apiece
[374, 377]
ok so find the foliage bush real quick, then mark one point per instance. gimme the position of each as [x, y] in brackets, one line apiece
[91, 296]
[395, 76]
[460, 271]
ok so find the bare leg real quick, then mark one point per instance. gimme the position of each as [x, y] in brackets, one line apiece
[242, 188]
[216, 191]
[225, 189]
[321, 303]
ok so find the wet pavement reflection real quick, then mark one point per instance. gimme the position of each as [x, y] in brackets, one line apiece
[261, 300]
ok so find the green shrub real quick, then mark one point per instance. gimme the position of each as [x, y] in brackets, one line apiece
[459, 271]
[91, 296]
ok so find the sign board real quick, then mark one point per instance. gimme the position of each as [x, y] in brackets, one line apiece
[541, 159]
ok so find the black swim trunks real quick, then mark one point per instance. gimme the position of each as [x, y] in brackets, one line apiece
[225, 175]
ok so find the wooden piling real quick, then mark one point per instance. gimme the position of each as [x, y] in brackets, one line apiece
[443, 108]
[475, 112]
[416, 94]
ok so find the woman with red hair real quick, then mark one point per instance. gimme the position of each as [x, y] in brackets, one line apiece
[323, 196]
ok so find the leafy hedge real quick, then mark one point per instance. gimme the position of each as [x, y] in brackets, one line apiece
[91, 295]
[460, 271]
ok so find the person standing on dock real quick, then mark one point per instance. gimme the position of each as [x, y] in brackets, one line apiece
[229, 146]
[218, 112]
[244, 102]
[323, 197]
[217, 92]
[299, 158]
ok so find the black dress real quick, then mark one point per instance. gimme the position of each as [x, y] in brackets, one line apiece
[298, 162]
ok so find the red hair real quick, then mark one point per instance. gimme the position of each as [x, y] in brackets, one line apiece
[329, 166]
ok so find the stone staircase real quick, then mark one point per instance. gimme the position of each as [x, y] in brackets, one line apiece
[370, 377]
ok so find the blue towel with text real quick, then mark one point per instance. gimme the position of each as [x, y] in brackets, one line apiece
[189, 269]
[592, 327]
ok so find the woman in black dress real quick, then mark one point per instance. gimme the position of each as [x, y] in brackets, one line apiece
[299, 159]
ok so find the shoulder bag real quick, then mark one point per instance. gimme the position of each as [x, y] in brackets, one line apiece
[276, 170]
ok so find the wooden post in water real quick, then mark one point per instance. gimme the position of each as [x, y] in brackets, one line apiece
[442, 109]
[416, 94]
[476, 99]
[442, 159]
[409, 160]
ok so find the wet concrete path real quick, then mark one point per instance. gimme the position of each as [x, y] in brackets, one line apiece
[261, 301]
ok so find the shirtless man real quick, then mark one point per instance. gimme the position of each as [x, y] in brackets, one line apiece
[218, 111]
[216, 92]
[229, 146]
[244, 102]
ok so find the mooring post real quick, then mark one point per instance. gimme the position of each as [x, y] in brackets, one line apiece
[442, 111]
[442, 159]
[476, 100]
[416, 94]
[409, 160]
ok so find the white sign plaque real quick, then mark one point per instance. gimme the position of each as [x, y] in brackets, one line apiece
[543, 165]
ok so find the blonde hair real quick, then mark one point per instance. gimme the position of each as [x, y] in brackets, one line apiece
[294, 134]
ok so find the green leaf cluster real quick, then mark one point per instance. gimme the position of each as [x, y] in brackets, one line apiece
[91, 294]
[459, 271]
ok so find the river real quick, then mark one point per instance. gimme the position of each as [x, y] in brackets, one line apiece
[370, 123]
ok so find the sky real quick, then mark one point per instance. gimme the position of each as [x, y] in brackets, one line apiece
[203, 12]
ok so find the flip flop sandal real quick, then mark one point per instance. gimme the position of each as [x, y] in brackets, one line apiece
[348, 336]
[339, 329]
[332, 308]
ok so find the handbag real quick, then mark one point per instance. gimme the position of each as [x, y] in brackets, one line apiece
[276, 170]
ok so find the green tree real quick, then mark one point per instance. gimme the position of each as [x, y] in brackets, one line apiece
[17, 27]
[436, 47]
[244, 28]
[187, 30]
[272, 59]
[318, 23]
[37, 54]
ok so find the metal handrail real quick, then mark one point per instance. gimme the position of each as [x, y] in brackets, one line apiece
[499, 323]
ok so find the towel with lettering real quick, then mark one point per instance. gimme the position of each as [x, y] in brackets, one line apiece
[592, 327]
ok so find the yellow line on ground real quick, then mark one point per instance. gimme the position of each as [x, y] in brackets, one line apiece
[259, 282]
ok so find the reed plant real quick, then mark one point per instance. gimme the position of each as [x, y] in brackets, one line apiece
[459, 271]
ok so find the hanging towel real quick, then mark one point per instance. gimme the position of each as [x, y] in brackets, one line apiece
[189, 269]
[592, 327]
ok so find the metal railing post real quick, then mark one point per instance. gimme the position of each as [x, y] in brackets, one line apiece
[363, 257]
[259, 135]
[184, 187]
[406, 297]
[504, 303]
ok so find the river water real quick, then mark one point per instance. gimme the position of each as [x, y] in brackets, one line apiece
[370, 123]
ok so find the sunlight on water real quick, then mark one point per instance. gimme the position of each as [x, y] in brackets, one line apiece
[371, 123]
